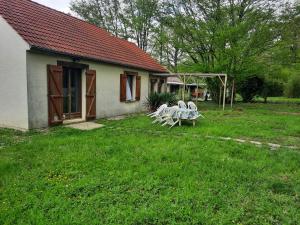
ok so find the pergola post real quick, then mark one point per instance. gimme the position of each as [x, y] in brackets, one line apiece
[183, 93]
[197, 92]
[202, 75]
[224, 94]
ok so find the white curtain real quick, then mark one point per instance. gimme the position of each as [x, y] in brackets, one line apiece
[128, 88]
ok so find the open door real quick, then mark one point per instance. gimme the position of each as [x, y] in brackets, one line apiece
[55, 95]
[90, 94]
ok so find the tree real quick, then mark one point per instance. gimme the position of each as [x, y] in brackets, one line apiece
[140, 18]
[250, 86]
[223, 35]
[292, 89]
[168, 44]
[291, 32]
[239, 37]
[106, 14]
[271, 88]
[128, 19]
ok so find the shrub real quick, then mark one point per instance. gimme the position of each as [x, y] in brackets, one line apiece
[271, 88]
[249, 87]
[292, 88]
[213, 85]
[155, 100]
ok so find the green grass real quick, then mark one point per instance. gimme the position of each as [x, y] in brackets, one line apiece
[133, 172]
[273, 123]
[279, 100]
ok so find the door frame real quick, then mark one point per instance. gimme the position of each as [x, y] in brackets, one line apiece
[83, 67]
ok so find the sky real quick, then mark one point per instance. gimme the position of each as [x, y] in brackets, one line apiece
[63, 5]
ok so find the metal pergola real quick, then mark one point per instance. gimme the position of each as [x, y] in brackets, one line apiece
[184, 76]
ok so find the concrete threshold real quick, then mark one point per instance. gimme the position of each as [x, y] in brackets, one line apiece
[72, 121]
[85, 126]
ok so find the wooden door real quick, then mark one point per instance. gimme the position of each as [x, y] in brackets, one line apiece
[90, 94]
[55, 95]
[123, 80]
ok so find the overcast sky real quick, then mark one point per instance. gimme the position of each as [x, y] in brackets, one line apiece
[63, 5]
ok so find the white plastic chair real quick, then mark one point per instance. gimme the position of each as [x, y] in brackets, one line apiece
[159, 115]
[158, 110]
[184, 112]
[194, 114]
[182, 105]
[171, 117]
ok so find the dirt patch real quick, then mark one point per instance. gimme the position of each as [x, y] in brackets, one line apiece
[289, 113]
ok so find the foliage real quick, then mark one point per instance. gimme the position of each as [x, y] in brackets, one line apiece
[271, 88]
[134, 172]
[106, 14]
[250, 87]
[154, 100]
[225, 35]
[286, 51]
[128, 19]
[213, 85]
[139, 18]
[292, 88]
[237, 37]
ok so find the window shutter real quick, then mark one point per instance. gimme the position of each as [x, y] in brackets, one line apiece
[55, 94]
[90, 94]
[138, 88]
[123, 79]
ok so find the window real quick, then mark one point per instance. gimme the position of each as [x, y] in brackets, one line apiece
[160, 85]
[152, 85]
[174, 88]
[130, 87]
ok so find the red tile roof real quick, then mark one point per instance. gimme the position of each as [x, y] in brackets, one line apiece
[47, 29]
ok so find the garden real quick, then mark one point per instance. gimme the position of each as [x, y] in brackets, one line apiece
[237, 166]
[134, 172]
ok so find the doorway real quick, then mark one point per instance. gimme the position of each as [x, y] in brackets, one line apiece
[72, 93]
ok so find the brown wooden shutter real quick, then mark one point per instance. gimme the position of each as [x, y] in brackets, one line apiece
[55, 94]
[138, 88]
[90, 94]
[123, 79]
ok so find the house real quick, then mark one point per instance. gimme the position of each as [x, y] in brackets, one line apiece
[172, 84]
[55, 68]
[175, 85]
[158, 84]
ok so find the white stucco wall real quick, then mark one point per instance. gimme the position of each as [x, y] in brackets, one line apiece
[13, 80]
[107, 84]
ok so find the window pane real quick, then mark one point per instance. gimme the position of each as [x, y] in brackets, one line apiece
[129, 85]
[65, 91]
[75, 91]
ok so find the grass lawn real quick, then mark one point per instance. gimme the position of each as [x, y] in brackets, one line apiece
[134, 172]
[279, 100]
